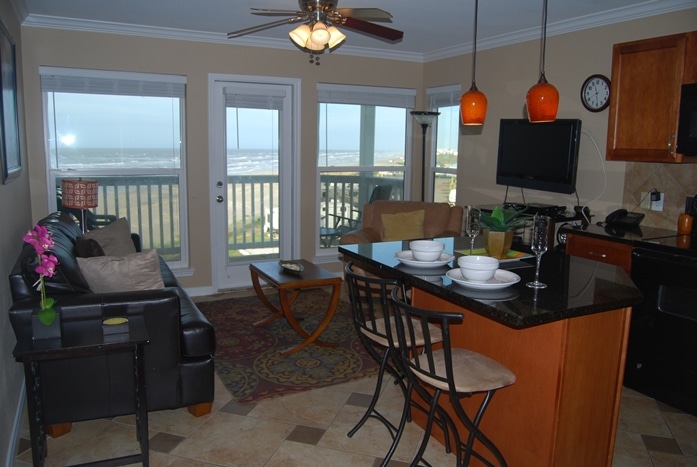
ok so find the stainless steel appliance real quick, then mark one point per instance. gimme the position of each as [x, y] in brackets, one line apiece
[662, 350]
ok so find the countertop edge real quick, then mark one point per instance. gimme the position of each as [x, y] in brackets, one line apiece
[476, 306]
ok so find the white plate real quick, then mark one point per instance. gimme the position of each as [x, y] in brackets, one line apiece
[407, 257]
[501, 279]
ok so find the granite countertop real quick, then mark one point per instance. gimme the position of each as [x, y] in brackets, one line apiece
[651, 238]
[575, 286]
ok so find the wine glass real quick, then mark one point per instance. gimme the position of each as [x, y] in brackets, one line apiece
[473, 225]
[538, 245]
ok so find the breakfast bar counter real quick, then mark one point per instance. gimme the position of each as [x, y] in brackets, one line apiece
[565, 343]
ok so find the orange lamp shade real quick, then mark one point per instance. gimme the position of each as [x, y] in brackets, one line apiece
[473, 107]
[79, 194]
[542, 101]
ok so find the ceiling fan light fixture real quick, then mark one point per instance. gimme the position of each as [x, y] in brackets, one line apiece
[336, 37]
[300, 35]
[319, 35]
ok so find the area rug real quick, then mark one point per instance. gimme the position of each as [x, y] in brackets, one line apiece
[249, 362]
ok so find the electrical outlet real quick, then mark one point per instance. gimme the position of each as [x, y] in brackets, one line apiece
[658, 204]
[645, 200]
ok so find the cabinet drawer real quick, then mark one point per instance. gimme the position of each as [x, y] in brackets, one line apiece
[605, 251]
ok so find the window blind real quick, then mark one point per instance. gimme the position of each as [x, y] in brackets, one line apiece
[443, 96]
[270, 99]
[366, 95]
[111, 83]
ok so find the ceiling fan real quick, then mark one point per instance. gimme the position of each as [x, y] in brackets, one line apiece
[318, 31]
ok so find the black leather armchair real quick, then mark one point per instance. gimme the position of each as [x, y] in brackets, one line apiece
[179, 358]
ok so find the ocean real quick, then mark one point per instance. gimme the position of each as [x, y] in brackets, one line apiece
[239, 161]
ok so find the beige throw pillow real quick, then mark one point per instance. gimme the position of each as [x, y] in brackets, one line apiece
[137, 271]
[115, 238]
[403, 225]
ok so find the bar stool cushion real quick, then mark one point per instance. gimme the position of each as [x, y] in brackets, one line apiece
[380, 336]
[472, 372]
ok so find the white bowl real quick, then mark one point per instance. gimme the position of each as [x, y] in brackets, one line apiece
[478, 268]
[426, 250]
[426, 245]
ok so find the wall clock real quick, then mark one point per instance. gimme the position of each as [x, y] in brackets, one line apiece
[595, 93]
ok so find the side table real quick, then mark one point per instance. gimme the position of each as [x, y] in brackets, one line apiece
[81, 339]
[289, 286]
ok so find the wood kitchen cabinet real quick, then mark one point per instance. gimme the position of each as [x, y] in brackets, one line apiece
[605, 251]
[645, 97]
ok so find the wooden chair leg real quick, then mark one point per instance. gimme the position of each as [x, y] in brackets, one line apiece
[201, 409]
[59, 429]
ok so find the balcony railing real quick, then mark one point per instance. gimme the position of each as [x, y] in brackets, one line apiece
[151, 205]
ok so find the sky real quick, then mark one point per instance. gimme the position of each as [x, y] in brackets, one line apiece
[100, 121]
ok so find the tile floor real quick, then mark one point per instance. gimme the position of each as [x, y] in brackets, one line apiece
[309, 429]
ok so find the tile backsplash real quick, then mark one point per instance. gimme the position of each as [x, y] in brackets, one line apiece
[677, 181]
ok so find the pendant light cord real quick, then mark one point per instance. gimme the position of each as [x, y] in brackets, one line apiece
[544, 37]
[474, 46]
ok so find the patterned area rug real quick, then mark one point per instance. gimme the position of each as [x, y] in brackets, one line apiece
[249, 361]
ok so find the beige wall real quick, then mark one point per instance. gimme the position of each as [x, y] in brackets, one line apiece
[504, 74]
[15, 212]
[196, 60]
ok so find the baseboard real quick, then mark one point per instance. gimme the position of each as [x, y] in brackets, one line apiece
[200, 291]
[15, 435]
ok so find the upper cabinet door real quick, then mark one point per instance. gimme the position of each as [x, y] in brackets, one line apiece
[645, 99]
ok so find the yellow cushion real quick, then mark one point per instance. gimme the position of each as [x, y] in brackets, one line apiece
[403, 225]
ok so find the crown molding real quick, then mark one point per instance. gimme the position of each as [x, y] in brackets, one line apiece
[618, 15]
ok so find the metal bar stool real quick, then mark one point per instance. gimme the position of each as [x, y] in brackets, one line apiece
[458, 372]
[371, 304]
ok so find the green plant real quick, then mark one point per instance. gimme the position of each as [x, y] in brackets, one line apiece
[499, 220]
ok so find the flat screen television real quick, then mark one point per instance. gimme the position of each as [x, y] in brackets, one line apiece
[540, 156]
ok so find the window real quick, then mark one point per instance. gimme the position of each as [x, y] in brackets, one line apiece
[362, 152]
[445, 100]
[126, 131]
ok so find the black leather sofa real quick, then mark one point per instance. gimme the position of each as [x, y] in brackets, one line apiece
[178, 360]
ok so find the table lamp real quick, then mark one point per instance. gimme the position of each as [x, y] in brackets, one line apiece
[79, 194]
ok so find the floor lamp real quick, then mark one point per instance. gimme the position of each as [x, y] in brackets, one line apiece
[425, 119]
[79, 194]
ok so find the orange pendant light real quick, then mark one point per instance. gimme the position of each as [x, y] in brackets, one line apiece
[473, 103]
[473, 106]
[542, 100]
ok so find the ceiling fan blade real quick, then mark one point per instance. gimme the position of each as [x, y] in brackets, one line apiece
[372, 29]
[270, 12]
[367, 14]
[261, 27]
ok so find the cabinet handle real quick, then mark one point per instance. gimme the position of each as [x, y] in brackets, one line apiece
[599, 255]
[670, 144]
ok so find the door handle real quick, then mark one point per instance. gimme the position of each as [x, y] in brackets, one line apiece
[219, 198]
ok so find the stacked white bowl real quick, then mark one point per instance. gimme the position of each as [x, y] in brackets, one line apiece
[478, 268]
[426, 250]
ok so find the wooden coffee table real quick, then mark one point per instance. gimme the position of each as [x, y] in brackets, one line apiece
[289, 286]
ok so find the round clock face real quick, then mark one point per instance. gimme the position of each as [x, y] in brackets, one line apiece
[595, 93]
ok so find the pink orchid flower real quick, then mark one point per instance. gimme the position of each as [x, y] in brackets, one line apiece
[48, 265]
[39, 238]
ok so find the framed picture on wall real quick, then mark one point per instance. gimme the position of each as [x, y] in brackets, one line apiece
[10, 157]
